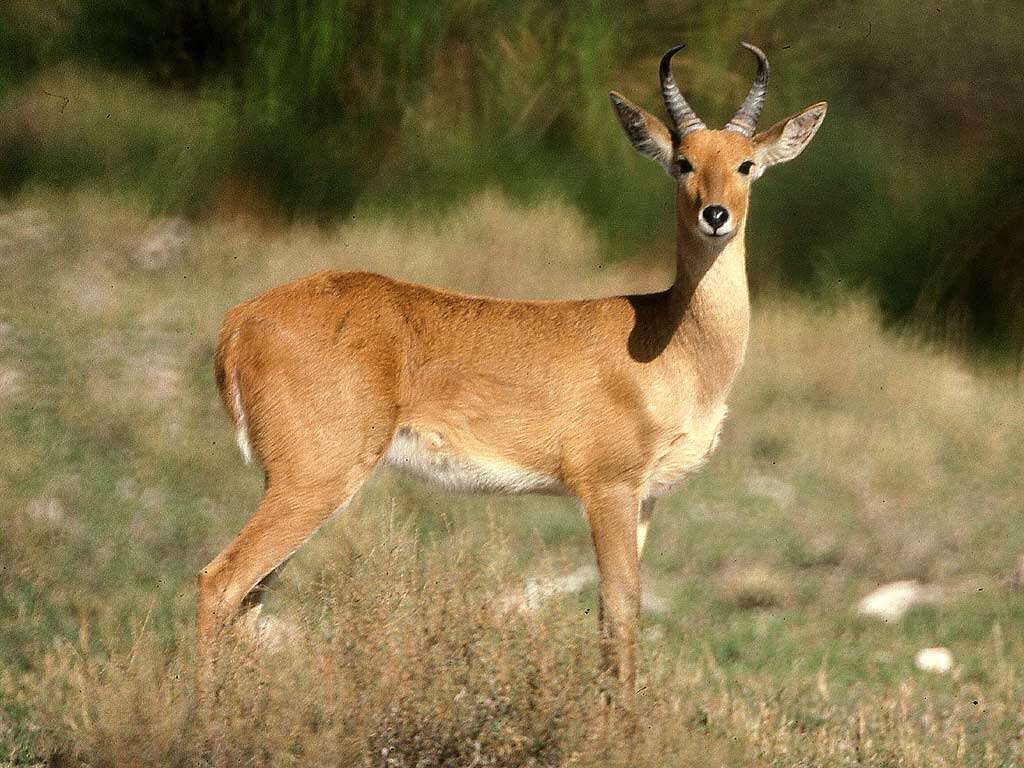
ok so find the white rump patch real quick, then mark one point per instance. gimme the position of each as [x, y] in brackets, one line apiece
[641, 535]
[427, 457]
[241, 425]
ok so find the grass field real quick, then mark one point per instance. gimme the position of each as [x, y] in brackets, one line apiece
[851, 458]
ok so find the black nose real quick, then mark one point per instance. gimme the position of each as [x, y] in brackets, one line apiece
[716, 216]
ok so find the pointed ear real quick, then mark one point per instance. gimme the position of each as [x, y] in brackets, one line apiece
[645, 132]
[787, 138]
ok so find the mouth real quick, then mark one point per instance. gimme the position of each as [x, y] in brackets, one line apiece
[714, 233]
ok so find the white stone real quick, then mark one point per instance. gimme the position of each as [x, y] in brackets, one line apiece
[654, 633]
[268, 633]
[934, 660]
[11, 383]
[161, 377]
[165, 246]
[47, 509]
[540, 589]
[779, 491]
[127, 488]
[544, 588]
[891, 601]
[653, 602]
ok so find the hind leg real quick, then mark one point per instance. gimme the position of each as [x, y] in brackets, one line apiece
[291, 511]
[252, 604]
[318, 430]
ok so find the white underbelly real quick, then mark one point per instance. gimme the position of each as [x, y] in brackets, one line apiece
[428, 458]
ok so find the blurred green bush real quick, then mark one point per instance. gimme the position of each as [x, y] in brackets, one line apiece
[304, 109]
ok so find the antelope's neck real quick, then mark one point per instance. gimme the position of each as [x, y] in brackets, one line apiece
[712, 303]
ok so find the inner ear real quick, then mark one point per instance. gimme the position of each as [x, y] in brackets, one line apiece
[645, 132]
[787, 138]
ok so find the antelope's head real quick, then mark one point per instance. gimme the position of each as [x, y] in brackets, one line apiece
[714, 169]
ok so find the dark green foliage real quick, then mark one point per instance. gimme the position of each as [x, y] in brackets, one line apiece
[175, 42]
[27, 35]
[973, 289]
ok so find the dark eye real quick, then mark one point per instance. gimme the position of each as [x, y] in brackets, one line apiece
[684, 165]
[745, 167]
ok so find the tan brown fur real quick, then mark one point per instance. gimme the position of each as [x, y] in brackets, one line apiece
[609, 400]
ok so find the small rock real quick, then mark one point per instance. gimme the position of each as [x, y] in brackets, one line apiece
[276, 634]
[891, 601]
[92, 295]
[10, 382]
[934, 660]
[127, 489]
[652, 602]
[267, 633]
[47, 509]
[161, 376]
[166, 245]
[654, 633]
[544, 588]
[151, 499]
[779, 491]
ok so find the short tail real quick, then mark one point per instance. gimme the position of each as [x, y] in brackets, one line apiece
[226, 370]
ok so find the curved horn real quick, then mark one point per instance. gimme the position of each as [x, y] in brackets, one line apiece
[684, 119]
[745, 119]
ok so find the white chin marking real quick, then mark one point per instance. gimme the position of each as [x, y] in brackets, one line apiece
[706, 229]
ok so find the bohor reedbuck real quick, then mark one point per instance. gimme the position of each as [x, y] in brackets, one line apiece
[611, 401]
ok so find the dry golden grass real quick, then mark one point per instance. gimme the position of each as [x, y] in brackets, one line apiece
[399, 658]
